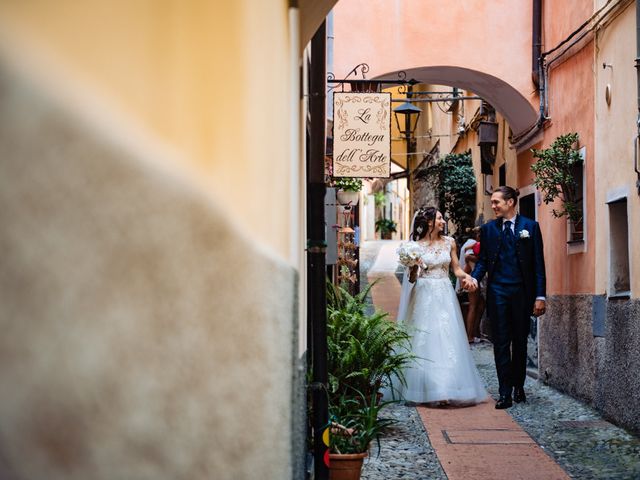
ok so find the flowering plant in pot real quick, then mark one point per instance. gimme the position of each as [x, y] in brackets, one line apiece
[348, 189]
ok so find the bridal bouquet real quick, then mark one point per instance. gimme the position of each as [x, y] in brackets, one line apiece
[409, 254]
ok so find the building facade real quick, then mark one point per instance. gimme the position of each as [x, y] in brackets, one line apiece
[588, 339]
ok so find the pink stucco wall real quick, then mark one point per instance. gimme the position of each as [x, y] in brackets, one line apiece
[450, 43]
[571, 92]
[492, 38]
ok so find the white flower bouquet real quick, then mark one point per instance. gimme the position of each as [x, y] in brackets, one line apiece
[409, 254]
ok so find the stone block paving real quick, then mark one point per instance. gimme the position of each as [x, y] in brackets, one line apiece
[572, 433]
[559, 428]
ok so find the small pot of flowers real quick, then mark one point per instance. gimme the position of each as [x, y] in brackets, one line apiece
[348, 190]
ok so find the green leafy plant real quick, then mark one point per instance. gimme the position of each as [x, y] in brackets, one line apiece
[454, 180]
[379, 198]
[355, 423]
[379, 201]
[366, 352]
[348, 184]
[555, 175]
[386, 226]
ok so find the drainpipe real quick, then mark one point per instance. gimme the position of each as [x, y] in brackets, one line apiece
[637, 140]
[536, 42]
[316, 248]
[537, 73]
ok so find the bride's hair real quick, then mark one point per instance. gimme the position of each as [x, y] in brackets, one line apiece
[421, 227]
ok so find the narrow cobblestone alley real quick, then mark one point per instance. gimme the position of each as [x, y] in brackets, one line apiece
[551, 436]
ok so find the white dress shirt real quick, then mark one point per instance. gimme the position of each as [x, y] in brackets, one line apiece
[513, 224]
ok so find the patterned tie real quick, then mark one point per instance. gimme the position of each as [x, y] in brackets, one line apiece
[506, 231]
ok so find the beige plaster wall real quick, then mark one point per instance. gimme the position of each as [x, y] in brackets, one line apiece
[436, 126]
[209, 79]
[444, 127]
[615, 130]
[151, 201]
[139, 338]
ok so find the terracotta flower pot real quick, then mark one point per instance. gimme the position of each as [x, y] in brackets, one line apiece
[345, 466]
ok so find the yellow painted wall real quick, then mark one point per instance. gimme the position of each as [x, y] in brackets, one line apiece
[398, 143]
[209, 79]
[615, 129]
[454, 141]
[122, 121]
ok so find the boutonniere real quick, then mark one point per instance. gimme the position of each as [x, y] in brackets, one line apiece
[524, 234]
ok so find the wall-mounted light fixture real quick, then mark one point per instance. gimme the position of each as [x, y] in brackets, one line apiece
[410, 114]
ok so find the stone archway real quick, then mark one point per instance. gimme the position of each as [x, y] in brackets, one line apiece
[517, 110]
[456, 45]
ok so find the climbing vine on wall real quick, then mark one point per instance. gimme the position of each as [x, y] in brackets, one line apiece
[454, 180]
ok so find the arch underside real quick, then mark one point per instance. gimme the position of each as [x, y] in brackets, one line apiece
[502, 95]
[517, 110]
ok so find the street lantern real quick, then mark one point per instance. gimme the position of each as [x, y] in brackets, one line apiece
[411, 115]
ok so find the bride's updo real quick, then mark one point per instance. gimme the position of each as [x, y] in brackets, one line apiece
[424, 217]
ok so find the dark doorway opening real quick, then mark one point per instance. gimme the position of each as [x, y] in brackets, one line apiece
[528, 206]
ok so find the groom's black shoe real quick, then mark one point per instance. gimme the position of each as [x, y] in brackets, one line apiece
[504, 402]
[518, 395]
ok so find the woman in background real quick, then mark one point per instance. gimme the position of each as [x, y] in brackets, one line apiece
[476, 298]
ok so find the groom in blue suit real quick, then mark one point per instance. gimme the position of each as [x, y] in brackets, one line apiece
[511, 253]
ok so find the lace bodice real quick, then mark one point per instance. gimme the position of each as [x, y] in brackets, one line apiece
[436, 258]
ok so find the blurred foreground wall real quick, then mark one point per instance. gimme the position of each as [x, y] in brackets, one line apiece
[149, 329]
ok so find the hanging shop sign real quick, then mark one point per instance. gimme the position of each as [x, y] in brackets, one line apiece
[361, 134]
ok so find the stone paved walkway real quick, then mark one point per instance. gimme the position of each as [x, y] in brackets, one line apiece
[566, 435]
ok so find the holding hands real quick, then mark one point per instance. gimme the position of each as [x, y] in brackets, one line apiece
[469, 284]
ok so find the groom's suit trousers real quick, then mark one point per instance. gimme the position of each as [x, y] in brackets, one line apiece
[507, 305]
[509, 316]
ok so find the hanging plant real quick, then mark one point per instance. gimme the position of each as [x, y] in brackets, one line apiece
[555, 175]
[348, 184]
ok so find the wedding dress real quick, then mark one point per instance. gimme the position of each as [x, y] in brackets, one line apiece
[445, 370]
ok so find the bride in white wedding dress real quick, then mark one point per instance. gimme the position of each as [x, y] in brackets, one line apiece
[444, 371]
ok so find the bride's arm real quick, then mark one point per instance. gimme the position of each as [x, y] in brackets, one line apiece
[413, 274]
[455, 264]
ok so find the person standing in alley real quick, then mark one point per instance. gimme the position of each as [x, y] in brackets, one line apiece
[512, 256]
[469, 252]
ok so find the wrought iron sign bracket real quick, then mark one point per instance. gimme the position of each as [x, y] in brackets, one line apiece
[364, 85]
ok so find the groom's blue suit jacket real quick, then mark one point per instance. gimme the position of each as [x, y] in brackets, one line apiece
[529, 252]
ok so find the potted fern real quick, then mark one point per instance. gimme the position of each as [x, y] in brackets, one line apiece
[386, 227]
[366, 353]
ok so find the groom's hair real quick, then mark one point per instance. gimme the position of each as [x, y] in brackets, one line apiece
[509, 193]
